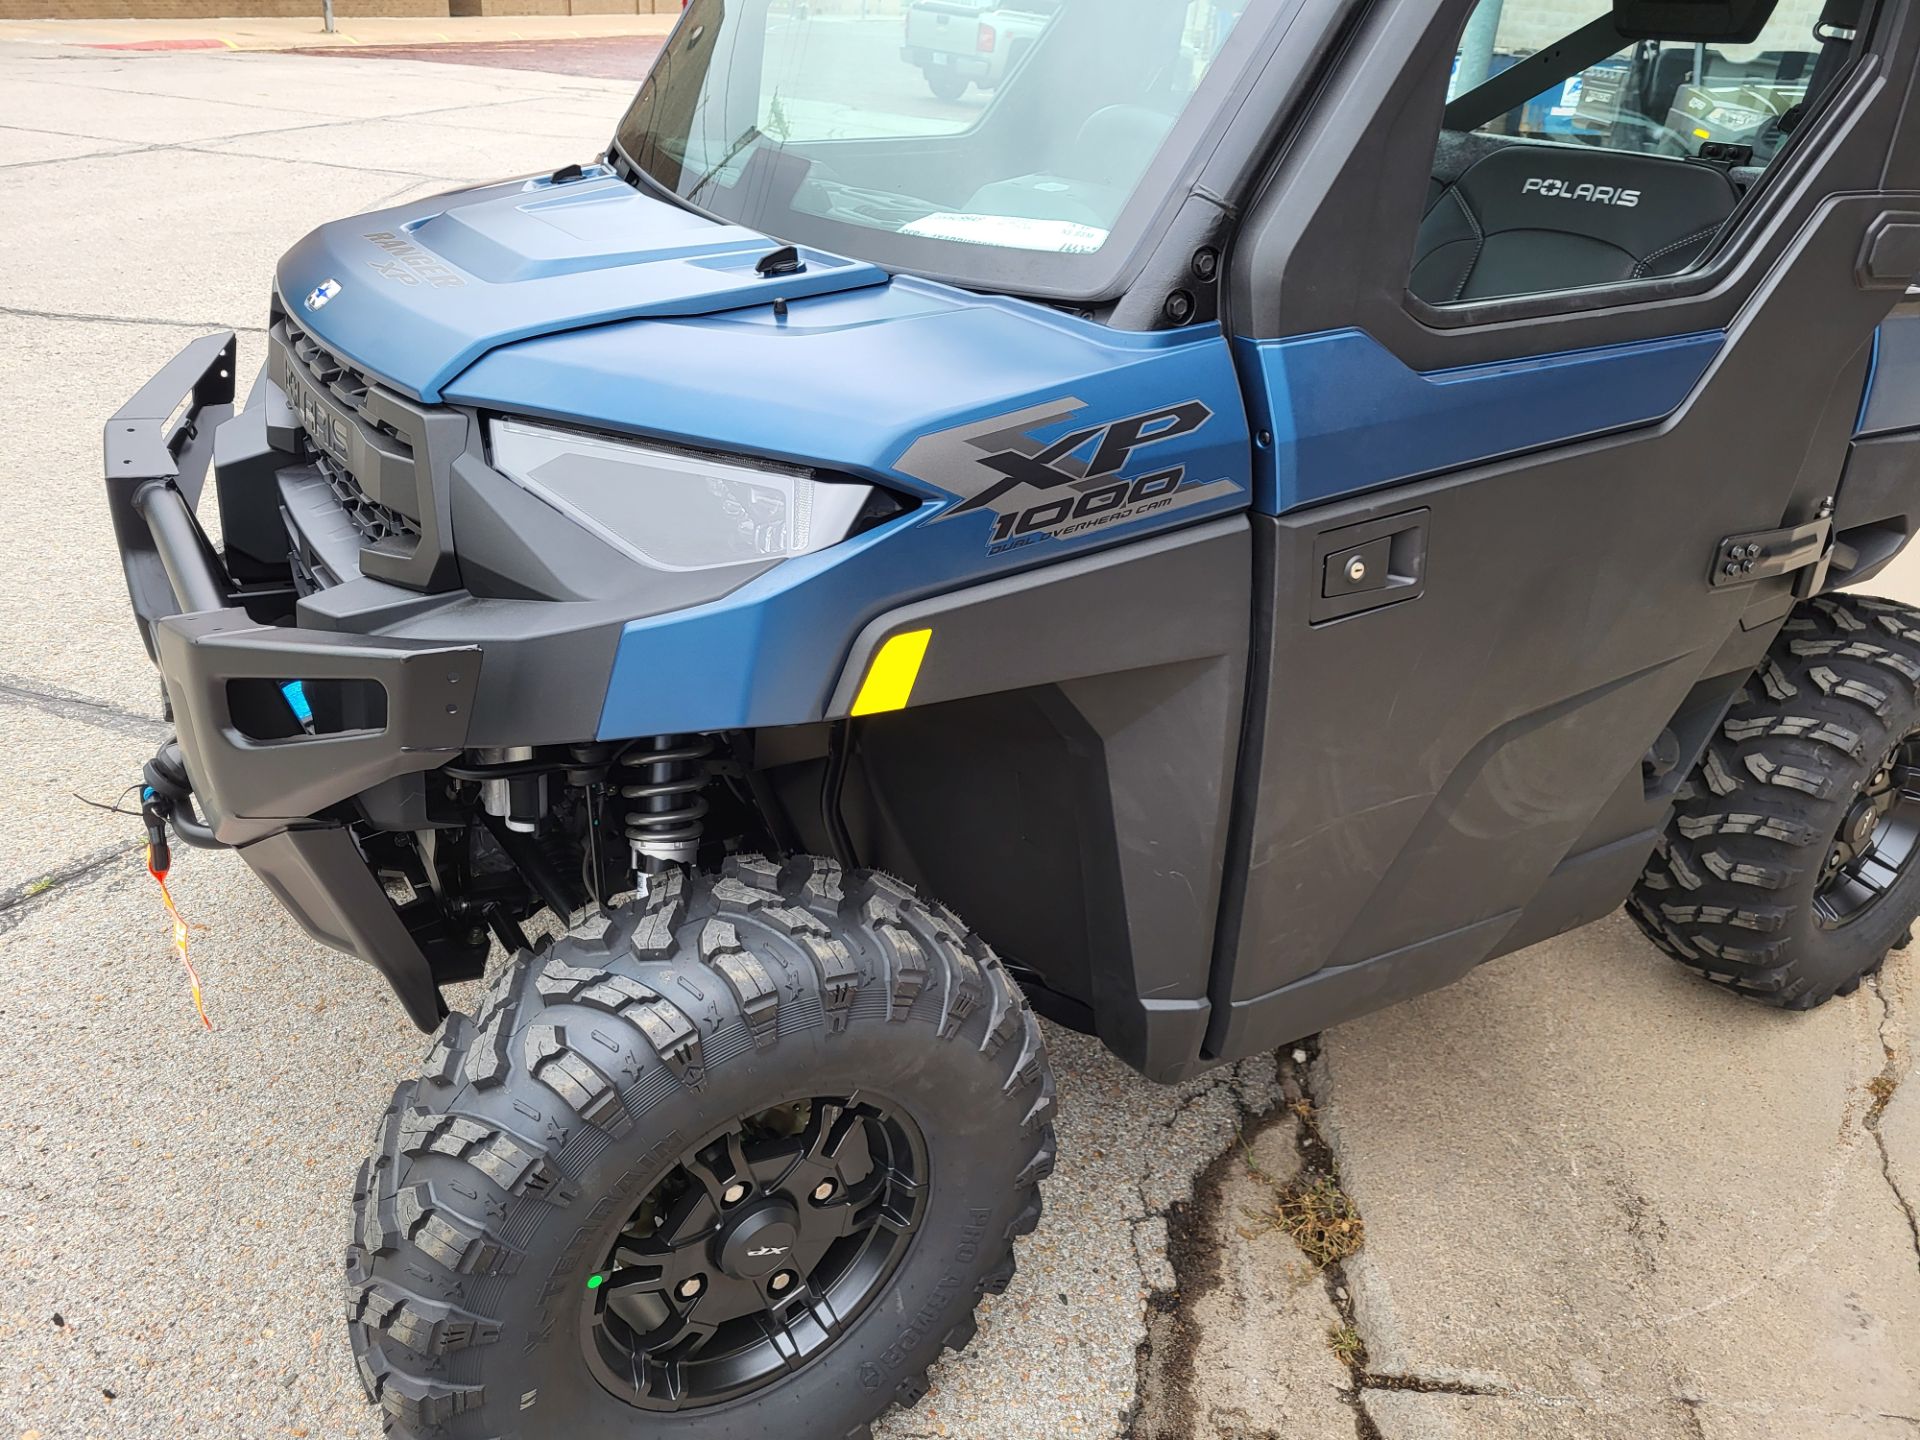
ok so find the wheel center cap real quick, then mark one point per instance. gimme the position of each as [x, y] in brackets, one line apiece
[760, 1241]
[1862, 823]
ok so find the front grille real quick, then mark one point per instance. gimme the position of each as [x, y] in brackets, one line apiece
[310, 574]
[383, 456]
[349, 385]
[374, 521]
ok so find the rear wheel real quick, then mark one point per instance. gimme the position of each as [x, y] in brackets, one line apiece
[737, 1161]
[945, 84]
[1792, 863]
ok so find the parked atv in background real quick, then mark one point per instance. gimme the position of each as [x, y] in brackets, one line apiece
[1222, 537]
[1731, 114]
[1667, 99]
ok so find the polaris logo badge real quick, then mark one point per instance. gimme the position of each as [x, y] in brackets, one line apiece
[318, 297]
[324, 428]
[1594, 194]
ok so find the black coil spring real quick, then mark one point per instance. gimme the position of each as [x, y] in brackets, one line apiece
[666, 781]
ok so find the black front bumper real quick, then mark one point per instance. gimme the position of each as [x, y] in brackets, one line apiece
[262, 795]
[337, 497]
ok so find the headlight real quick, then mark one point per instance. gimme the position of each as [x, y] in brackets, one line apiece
[674, 510]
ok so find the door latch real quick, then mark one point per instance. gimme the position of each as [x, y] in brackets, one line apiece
[1369, 565]
[1762, 554]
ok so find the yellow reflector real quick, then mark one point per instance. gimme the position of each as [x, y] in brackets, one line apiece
[889, 683]
[1703, 134]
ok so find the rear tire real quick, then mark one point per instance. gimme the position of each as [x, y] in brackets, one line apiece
[1792, 863]
[506, 1186]
[945, 84]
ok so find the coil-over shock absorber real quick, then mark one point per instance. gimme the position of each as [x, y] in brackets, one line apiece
[663, 778]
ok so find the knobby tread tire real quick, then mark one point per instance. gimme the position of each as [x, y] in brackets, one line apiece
[577, 1043]
[1729, 891]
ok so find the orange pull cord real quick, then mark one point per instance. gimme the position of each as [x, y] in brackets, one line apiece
[179, 935]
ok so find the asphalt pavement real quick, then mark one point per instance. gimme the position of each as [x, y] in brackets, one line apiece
[1599, 1199]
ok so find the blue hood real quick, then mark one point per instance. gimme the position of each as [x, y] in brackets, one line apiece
[419, 292]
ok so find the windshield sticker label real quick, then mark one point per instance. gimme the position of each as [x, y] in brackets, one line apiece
[1016, 232]
[1087, 479]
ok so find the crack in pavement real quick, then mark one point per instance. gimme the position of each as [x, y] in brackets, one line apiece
[1163, 1398]
[110, 147]
[71, 705]
[1883, 1087]
[1189, 1270]
[60, 134]
[1610, 1402]
[116, 63]
[525, 92]
[1691, 1405]
[1168, 1403]
[1101, 1254]
[1819, 1230]
[82, 317]
[419, 175]
[1317, 1156]
[1317, 1153]
[15, 900]
[393, 197]
[208, 145]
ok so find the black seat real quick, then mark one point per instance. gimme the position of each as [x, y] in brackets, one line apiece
[1532, 218]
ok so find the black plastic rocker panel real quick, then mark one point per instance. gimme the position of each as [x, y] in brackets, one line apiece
[1064, 775]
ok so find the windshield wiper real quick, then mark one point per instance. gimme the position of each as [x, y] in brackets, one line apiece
[751, 134]
[636, 174]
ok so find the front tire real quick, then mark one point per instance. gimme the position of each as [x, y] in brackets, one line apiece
[738, 1162]
[1792, 863]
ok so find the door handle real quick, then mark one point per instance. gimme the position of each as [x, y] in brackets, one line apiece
[1369, 565]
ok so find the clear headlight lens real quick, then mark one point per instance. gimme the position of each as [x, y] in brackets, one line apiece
[673, 510]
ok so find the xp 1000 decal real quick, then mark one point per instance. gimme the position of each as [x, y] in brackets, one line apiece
[1088, 478]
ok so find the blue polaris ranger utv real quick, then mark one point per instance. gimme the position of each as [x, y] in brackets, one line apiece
[1274, 505]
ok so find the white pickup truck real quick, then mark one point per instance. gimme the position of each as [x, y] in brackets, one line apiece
[971, 42]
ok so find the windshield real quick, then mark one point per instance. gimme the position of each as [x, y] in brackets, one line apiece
[1026, 145]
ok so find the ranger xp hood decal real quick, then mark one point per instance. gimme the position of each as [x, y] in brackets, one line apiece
[1110, 473]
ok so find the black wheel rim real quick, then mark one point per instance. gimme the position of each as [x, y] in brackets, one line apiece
[755, 1253]
[1876, 842]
